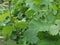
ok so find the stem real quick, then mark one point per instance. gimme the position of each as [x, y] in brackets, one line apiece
[10, 8]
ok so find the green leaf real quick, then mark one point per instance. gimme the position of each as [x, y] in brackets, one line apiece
[46, 42]
[39, 26]
[51, 18]
[54, 30]
[57, 22]
[21, 25]
[31, 36]
[4, 16]
[37, 1]
[34, 28]
[7, 30]
[29, 13]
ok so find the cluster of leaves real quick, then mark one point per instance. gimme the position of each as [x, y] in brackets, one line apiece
[32, 22]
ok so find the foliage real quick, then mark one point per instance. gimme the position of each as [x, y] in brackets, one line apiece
[31, 22]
